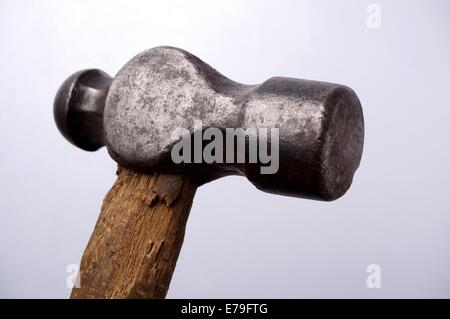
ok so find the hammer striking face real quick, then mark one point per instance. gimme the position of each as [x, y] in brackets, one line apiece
[320, 125]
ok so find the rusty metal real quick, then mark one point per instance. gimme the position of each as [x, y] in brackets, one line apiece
[321, 126]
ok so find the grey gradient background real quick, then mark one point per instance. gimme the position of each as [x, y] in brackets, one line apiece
[240, 242]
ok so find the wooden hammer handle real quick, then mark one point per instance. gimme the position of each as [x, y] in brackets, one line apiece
[138, 236]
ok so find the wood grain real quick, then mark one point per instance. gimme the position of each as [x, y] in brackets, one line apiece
[133, 250]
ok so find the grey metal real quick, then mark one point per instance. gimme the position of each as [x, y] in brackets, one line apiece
[321, 126]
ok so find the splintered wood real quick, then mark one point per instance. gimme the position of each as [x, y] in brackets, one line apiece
[137, 239]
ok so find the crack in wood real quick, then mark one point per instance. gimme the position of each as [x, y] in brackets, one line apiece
[133, 250]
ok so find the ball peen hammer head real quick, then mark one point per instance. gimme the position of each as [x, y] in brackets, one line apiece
[321, 126]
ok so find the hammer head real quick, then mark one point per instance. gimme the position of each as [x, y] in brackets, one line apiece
[320, 125]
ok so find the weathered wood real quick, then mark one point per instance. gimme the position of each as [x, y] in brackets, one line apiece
[135, 245]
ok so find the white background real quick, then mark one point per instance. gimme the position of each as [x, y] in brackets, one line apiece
[240, 242]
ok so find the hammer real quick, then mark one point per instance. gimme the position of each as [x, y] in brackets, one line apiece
[149, 114]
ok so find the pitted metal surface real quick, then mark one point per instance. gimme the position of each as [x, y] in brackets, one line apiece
[153, 94]
[321, 127]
